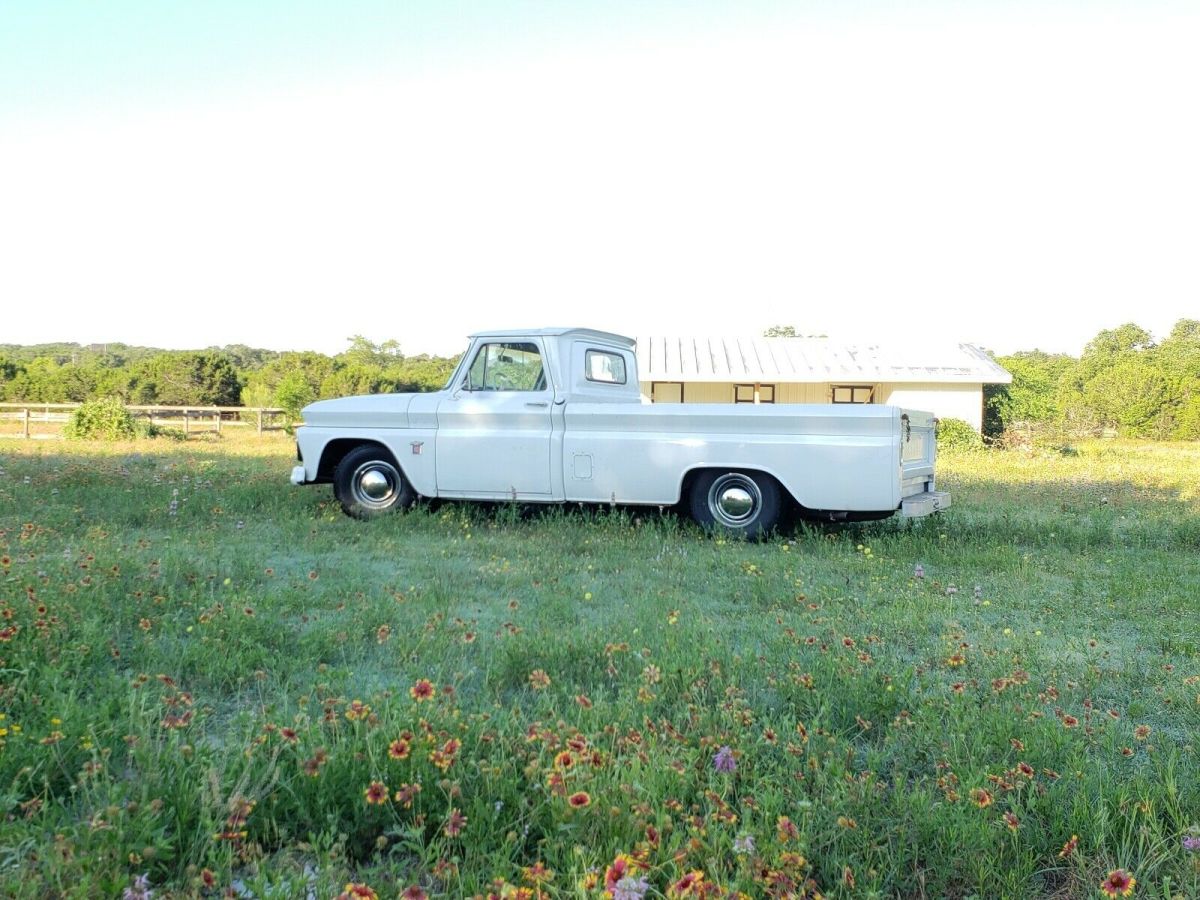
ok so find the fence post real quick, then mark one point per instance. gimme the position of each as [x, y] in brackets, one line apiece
[25, 418]
[186, 424]
[259, 411]
[218, 421]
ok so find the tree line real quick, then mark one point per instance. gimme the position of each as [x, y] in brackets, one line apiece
[234, 375]
[1124, 381]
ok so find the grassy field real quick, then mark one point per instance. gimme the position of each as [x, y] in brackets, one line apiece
[211, 681]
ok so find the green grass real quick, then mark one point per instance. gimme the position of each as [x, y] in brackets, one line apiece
[152, 660]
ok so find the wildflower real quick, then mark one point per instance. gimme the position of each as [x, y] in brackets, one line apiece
[1069, 847]
[622, 868]
[629, 888]
[846, 822]
[537, 873]
[208, 878]
[357, 891]
[1026, 769]
[376, 793]
[139, 890]
[1141, 732]
[955, 660]
[539, 680]
[289, 735]
[690, 885]
[383, 633]
[1191, 842]
[413, 892]
[743, 843]
[564, 760]
[584, 701]
[357, 710]
[1069, 721]
[579, 799]
[724, 761]
[981, 797]
[1119, 883]
[421, 690]
[1012, 821]
[405, 795]
[918, 571]
[399, 749]
[786, 829]
[1127, 751]
[455, 823]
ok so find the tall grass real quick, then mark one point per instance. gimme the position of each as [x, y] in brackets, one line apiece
[207, 677]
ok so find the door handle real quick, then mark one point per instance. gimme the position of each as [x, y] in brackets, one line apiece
[538, 404]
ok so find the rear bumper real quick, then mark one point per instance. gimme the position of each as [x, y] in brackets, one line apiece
[298, 475]
[925, 504]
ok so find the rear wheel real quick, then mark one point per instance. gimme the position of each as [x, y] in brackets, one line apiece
[745, 503]
[368, 483]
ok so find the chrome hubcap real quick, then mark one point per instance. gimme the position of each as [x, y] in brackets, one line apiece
[736, 503]
[734, 500]
[375, 484]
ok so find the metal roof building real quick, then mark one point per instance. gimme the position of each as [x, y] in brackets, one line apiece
[946, 379]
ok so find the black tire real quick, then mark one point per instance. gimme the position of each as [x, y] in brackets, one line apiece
[368, 483]
[741, 503]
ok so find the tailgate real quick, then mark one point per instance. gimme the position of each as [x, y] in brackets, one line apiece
[918, 451]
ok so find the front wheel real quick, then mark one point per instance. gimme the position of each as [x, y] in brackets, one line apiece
[745, 503]
[368, 483]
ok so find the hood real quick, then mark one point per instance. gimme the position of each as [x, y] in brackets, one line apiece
[366, 411]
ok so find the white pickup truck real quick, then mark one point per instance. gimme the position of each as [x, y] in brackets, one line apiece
[555, 415]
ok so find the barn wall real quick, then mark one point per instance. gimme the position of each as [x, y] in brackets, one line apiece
[958, 401]
[946, 401]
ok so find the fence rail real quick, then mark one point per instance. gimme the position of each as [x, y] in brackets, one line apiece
[264, 418]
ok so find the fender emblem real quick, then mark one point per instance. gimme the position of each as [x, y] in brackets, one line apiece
[416, 447]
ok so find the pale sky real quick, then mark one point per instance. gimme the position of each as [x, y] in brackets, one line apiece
[1014, 175]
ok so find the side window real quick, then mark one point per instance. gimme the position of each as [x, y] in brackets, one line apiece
[607, 368]
[853, 393]
[506, 367]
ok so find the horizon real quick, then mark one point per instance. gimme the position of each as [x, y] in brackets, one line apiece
[279, 175]
[90, 346]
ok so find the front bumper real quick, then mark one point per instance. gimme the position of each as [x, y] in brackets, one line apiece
[298, 475]
[925, 504]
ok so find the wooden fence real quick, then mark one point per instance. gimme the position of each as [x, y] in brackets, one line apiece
[188, 418]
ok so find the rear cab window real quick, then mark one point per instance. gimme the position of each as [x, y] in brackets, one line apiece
[604, 367]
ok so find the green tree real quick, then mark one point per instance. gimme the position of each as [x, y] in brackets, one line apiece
[1130, 396]
[781, 331]
[188, 378]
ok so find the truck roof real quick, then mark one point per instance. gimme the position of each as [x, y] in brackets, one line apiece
[586, 333]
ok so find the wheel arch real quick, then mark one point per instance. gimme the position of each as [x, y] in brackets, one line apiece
[696, 471]
[337, 449]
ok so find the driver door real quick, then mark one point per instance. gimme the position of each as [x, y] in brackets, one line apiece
[494, 428]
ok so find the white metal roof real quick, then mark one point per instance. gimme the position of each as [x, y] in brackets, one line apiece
[811, 360]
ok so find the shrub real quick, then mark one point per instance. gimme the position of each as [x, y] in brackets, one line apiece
[955, 434]
[105, 419]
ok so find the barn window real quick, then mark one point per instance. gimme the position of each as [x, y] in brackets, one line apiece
[745, 393]
[853, 393]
